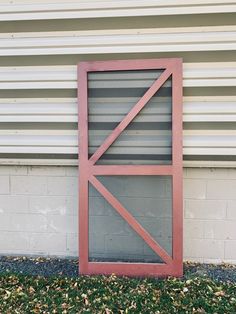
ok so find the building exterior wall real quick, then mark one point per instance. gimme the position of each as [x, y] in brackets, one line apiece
[39, 207]
[41, 44]
[38, 71]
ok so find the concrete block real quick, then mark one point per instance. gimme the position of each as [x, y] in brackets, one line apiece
[110, 210]
[203, 248]
[96, 244]
[46, 171]
[62, 224]
[147, 186]
[205, 209]
[4, 185]
[33, 223]
[14, 241]
[33, 185]
[107, 225]
[230, 249]
[72, 205]
[72, 171]
[138, 207]
[231, 210]
[13, 203]
[230, 229]
[194, 189]
[212, 230]
[230, 261]
[115, 184]
[223, 230]
[169, 187]
[148, 207]
[213, 261]
[221, 189]
[62, 186]
[48, 243]
[97, 206]
[13, 170]
[193, 229]
[23, 222]
[72, 244]
[211, 173]
[158, 228]
[53, 205]
[129, 186]
[123, 246]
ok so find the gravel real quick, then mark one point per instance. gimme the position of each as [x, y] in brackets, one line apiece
[221, 272]
[39, 266]
[69, 268]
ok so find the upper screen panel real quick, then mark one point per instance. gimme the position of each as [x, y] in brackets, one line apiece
[147, 140]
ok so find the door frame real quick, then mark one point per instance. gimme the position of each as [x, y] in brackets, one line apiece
[88, 169]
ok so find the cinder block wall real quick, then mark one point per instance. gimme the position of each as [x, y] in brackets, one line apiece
[210, 215]
[38, 212]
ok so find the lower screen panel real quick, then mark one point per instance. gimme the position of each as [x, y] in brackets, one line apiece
[149, 200]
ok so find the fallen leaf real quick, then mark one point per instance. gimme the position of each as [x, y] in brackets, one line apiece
[31, 290]
[219, 293]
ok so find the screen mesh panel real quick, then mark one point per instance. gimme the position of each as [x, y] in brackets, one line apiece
[149, 200]
[147, 139]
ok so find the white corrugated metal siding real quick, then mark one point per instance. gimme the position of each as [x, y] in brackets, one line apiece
[60, 9]
[42, 41]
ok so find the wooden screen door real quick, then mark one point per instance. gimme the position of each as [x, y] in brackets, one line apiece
[130, 167]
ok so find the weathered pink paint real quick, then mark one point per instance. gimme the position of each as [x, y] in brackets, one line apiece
[88, 170]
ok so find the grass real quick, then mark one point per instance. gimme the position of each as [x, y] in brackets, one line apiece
[100, 294]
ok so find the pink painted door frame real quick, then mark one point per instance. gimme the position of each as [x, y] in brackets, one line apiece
[88, 170]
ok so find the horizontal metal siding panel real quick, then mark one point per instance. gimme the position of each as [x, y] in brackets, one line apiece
[61, 144]
[64, 141]
[210, 38]
[208, 108]
[58, 77]
[44, 130]
[21, 10]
